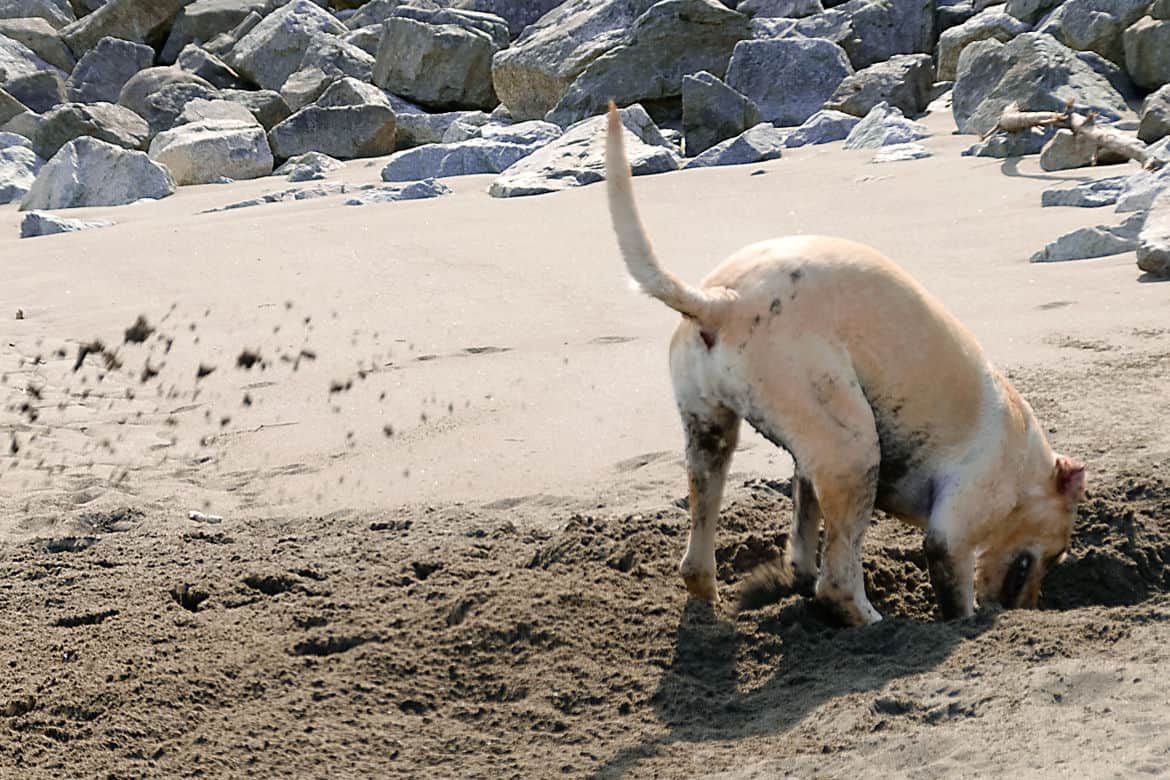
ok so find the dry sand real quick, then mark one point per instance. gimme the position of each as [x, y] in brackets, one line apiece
[490, 589]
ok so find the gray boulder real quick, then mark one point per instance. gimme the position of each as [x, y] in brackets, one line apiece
[103, 70]
[1093, 25]
[713, 112]
[222, 44]
[19, 165]
[533, 74]
[788, 9]
[365, 38]
[1155, 116]
[1147, 52]
[578, 157]
[41, 38]
[493, 153]
[42, 223]
[164, 107]
[267, 106]
[1003, 145]
[202, 63]
[441, 66]
[39, 91]
[1090, 194]
[1153, 249]
[304, 87]
[203, 110]
[671, 40]
[518, 14]
[145, 85]
[89, 172]
[788, 78]
[904, 81]
[416, 129]
[756, 144]
[1033, 69]
[26, 123]
[17, 60]
[488, 24]
[57, 13]
[202, 20]
[344, 132]
[10, 107]
[309, 166]
[471, 126]
[415, 190]
[884, 125]
[129, 20]
[1100, 241]
[273, 49]
[883, 28]
[1142, 188]
[207, 151]
[351, 92]
[821, 128]
[991, 23]
[374, 12]
[334, 57]
[105, 121]
[1029, 11]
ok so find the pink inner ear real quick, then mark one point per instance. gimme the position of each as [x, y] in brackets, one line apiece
[1070, 478]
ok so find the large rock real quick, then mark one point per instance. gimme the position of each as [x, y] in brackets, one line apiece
[713, 112]
[10, 107]
[788, 78]
[89, 172]
[18, 60]
[1094, 25]
[883, 28]
[1153, 250]
[42, 223]
[821, 128]
[349, 91]
[1033, 69]
[202, 20]
[671, 40]
[334, 57]
[58, 13]
[788, 9]
[533, 74]
[1142, 188]
[578, 157]
[130, 20]
[39, 91]
[1067, 151]
[267, 106]
[103, 70]
[1147, 52]
[1002, 145]
[18, 168]
[273, 49]
[222, 44]
[884, 125]
[416, 129]
[756, 144]
[904, 81]
[344, 132]
[1155, 116]
[41, 38]
[392, 193]
[518, 14]
[1100, 241]
[159, 94]
[213, 149]
[309, 166]
[987, 24]
[1094, 193]
[1029, 11]
[202, 110]
[441, 66]
[490, 153]
[106, 121]
[365, 38]
[199, 62]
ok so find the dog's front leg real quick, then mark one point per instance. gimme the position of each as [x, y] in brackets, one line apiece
[711, 439]
[952, 573]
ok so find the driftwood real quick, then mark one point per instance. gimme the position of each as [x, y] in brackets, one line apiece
[1108, 139]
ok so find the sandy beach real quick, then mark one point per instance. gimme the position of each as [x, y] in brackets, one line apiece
[449, 489]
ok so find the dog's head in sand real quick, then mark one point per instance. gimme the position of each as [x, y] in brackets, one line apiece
[1011, 566]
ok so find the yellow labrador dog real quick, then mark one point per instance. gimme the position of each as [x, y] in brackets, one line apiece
[881, 396]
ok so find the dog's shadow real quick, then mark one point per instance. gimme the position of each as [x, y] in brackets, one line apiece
[702, 696]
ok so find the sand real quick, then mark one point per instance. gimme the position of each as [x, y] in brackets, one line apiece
[441, 508]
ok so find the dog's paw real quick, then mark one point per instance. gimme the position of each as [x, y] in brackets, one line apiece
[702, 586]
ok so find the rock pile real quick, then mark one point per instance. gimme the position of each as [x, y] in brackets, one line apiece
[198, 91]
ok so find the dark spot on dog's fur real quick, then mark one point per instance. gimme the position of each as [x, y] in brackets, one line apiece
[775, 307]
[796, 275]
[1015, 580]
[708, 338]
[941, 566]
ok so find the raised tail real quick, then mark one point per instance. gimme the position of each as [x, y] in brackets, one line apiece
[704, 306]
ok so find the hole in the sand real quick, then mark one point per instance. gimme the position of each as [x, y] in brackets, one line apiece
[188, 596]
[270, 584]
[86, 619]
[330, 645]
[70, 544]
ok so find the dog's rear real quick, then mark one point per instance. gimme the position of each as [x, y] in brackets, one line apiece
[707, 307]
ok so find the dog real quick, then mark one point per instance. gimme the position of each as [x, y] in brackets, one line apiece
[834, 353]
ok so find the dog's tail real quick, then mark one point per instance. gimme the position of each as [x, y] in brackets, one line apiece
[704, 306]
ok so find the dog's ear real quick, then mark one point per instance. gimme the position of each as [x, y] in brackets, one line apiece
[1069, 476]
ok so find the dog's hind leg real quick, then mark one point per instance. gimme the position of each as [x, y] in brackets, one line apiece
[804, 540]
[712, 433]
